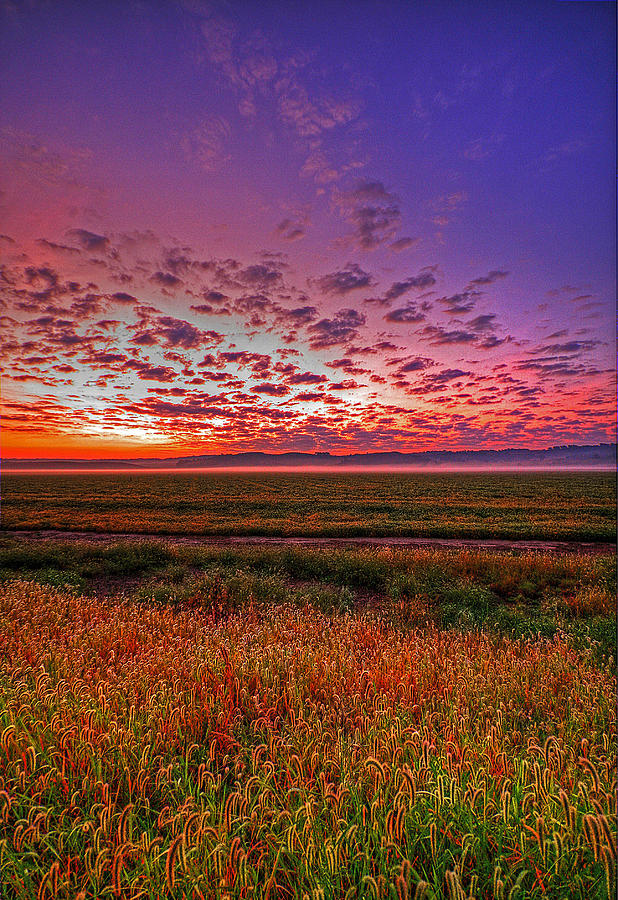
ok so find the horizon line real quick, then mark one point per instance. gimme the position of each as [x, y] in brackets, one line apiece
[319, 454]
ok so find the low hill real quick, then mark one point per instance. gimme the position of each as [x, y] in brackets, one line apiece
[590, 456]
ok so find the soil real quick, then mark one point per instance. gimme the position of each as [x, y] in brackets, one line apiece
[498, 545]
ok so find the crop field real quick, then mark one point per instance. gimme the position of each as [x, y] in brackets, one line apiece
[190, 721]
[553, 506]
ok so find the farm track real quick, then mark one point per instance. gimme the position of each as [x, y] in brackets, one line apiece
[489, 545]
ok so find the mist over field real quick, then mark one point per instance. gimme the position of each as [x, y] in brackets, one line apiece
[597, 457]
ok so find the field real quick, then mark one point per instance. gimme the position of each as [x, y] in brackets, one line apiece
[184, 719]
[552, 506]
[193, 721]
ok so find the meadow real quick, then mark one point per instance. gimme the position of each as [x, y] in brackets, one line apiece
[552, 506]
[195, 721]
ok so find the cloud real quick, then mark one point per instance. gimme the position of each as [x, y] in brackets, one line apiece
[82, 340]
[566, 348]
[437, 382]
[306, 378]
[347, 385]
[300, 315]
[259, 275]
[561, 151]
[309, 397]
[425, 279]
[460, 303]
[341, 329]
[405, 243]
[207, 144]
[258, 310]
[52, 245]
[437, 335]
[374, 213]
[490, 278]
[319, 167]
[581, 298]
[106, 359]
[258, 77]
[182, 415]
[546, 369]
[347, 365]
[482, 323]
[311, 116]
[44, 166]
[245, 358]
[417, 364]
[215, 296]
[146, 371]
[214, 305]
[448, 375]
[178, 333]
[88, 240]
[259, 66]
[351, 278]
[491, 341]
[165, 280]
[144, 339]
[177, 261]
[291, 229]
[171, 332]
[407, 314]
[446, 205]
[209, 310]
[41, 277]
[272, 390]
[483, 147]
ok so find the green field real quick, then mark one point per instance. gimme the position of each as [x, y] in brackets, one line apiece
[522, 594]
[558, 506]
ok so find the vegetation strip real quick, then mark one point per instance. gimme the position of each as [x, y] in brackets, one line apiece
[266, 540]
[522, 506]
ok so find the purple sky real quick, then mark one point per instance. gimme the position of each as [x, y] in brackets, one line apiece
[283, 225]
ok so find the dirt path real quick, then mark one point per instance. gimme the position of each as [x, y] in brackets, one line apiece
[325, 542]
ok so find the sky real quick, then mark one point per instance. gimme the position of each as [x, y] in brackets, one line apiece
[275, 226]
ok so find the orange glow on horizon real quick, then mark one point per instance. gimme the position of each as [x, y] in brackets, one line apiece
[43, 446]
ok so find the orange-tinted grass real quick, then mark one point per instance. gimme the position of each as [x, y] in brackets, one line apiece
[151, 751]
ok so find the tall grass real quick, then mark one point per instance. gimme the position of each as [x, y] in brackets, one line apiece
[199, 750]
[513, 593]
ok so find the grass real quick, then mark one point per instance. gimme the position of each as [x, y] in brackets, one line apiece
[180, 720]
[516, 594]
[235, 740]
[551, 506]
